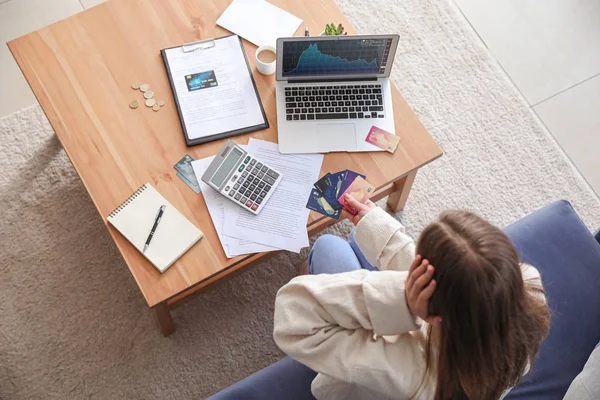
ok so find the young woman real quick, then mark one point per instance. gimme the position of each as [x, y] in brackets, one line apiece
[461, 319]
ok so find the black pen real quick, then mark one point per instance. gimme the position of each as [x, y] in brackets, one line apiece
[161, 210]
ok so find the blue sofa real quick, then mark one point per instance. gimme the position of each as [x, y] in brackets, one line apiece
[555, 240]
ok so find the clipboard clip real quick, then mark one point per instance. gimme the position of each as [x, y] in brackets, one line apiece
[200, 45]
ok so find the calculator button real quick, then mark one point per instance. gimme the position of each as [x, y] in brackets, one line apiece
[253, 162]
[227, 188]
[263, 193]
[234, 178]
[243, 200]
[238, 196]
[244, 174]
[241, 181]
[249, 168]
[259, 200]
[249, 203]
[260, 174]
[232, 193]
[254, 171]
[246, 184]
[241, 168]
[252, 187]
[269, 180]
[254, 206]
[264, 168]
[273, 174]
[261, 185]
[242, 191]
[259, 165]
[267, 188]
[255, 181]
[253, 197]
[246, 160]
[237, 186]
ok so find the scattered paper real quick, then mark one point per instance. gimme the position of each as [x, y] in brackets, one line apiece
[219, 208]
[258, 21]
[282, 221]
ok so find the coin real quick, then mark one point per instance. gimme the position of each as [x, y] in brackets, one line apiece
[134, 104]
[135, 85]
[161, 103]
[156, 107]
[150, 102]
[144, 87]
[148, 94]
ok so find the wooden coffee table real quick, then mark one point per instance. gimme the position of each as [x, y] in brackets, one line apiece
[81, 70]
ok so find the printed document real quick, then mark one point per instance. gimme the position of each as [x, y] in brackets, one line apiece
[214, 88]
[219, 208]
[282, 221]
[258, 21]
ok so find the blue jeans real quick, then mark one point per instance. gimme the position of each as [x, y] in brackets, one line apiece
[332, 255]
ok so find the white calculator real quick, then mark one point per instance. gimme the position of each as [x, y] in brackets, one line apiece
[241, 178]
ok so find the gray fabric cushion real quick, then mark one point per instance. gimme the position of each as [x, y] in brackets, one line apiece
[586, 385]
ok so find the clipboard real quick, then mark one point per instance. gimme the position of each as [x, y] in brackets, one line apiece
[200, 46]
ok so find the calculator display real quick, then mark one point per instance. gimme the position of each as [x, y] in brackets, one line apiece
[226, 167]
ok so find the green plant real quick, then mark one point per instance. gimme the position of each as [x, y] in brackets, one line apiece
[332, 30]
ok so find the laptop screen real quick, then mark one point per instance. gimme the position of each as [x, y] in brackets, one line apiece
[340, 56]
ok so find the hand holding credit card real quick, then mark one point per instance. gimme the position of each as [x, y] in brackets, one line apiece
[324, 199]
[360, 189]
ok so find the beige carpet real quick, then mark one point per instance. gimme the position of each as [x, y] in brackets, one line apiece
[73, 324]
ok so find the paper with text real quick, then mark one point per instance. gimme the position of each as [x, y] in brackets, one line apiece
[214, 88]
[219, 208]
[258, 21]
[282, 221]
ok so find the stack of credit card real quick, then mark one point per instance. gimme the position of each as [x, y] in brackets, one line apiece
[328, 196]
[186, 173]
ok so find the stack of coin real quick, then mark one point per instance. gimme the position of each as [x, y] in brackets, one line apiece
[148, 95]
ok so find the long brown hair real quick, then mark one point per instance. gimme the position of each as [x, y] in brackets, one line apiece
[492, 323]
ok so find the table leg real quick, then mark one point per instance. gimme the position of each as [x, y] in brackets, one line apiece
[397, 199]
[163, 317]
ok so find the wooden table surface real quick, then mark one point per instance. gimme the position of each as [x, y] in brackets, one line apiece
[81, 70]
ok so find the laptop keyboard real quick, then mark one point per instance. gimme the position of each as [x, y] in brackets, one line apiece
[307, 103]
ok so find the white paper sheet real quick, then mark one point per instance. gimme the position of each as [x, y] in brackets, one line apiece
[219, 208]
[282, 221]
[258, 21]
[231, 105]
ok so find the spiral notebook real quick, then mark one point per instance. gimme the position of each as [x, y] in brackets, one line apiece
[173, 236]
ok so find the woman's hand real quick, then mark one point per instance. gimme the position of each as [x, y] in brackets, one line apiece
[362, 209]
[419, 289]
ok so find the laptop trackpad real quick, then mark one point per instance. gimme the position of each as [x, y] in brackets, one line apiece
[336, 137]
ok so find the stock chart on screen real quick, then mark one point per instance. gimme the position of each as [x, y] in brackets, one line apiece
[335, 57]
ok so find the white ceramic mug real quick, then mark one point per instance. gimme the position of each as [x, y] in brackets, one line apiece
[265, 68]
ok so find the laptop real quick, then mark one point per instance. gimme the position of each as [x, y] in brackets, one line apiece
[331, 90]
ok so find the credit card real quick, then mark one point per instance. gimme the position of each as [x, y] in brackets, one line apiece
[184, 167]
[328, 192]
[360, 189]
[317, 202]
[383, 139]
[348, 179]
[201, 80]
[195, 188]
[336, 181]
[322, 184]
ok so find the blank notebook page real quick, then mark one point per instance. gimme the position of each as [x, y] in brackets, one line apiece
[173, 236]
